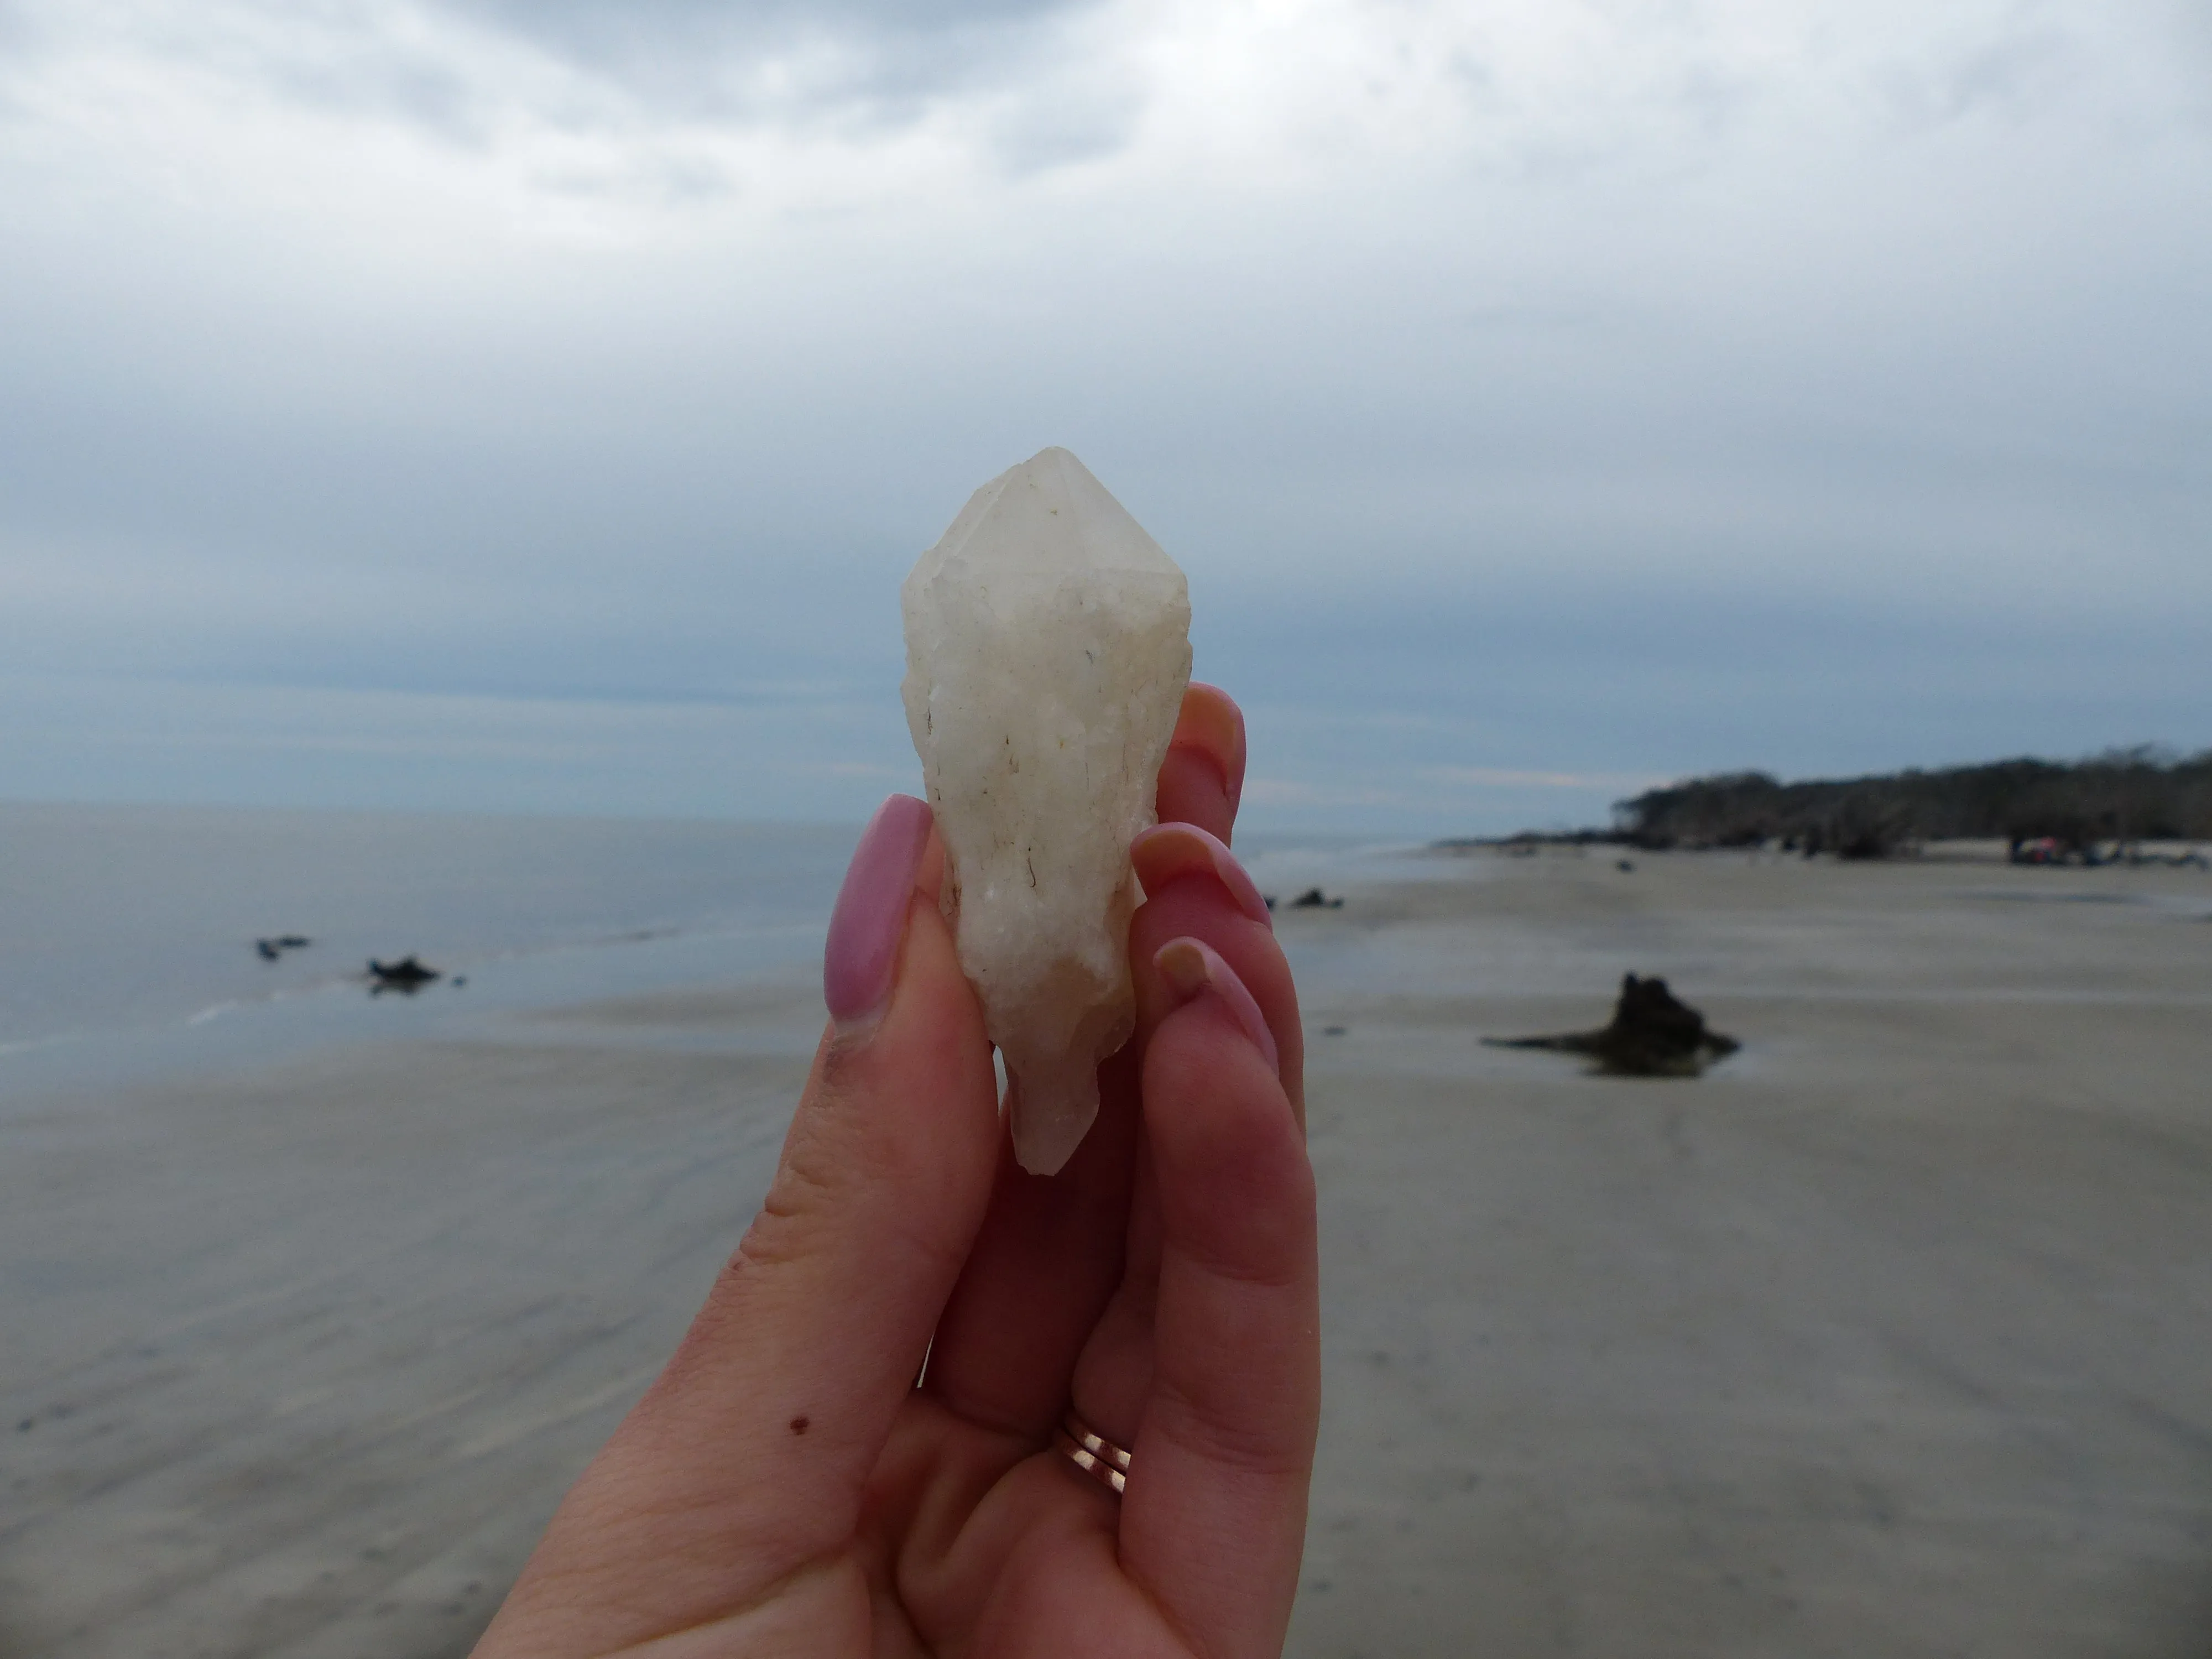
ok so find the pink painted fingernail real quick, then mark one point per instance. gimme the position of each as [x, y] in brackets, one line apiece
[1192, 968]
[1211, 722]
[861, 957]
[1169, 850]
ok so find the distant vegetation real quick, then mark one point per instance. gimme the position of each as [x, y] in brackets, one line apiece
[2047, 812]
[2044, 808]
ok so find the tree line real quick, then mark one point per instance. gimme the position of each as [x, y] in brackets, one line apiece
[2042, 808]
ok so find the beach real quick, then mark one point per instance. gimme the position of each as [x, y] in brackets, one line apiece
[1889, 1335]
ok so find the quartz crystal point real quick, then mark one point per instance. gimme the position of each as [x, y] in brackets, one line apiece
[1047, 642]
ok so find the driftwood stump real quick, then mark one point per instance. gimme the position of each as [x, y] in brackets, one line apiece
[1652, 1035]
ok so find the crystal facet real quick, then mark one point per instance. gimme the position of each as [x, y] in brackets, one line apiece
[1048, 647]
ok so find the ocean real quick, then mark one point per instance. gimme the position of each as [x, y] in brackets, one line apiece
[128, 933]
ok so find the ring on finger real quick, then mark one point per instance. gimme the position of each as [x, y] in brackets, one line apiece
[1093, 1453]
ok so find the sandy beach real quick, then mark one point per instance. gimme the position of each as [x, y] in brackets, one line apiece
[1890, 1335]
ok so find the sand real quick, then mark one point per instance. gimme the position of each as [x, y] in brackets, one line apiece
[1889, 1336]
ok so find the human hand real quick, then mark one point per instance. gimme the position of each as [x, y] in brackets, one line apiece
[785, 1487]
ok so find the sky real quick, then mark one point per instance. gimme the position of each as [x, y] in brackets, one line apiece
[529, 405]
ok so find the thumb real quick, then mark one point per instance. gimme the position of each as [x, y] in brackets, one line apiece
[745, 1461]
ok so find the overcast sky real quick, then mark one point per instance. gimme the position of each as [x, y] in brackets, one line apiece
[531, 404]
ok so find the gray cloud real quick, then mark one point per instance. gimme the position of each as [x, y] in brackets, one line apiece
[849, 65]
[1820, 432]
[850, 61]
[2016, 70]
[590, 31]
[852, 68]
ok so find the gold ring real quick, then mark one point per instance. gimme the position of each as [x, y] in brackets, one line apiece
[1093, 1453]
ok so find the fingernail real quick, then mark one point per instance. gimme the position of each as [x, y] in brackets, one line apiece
[861, 957]
[1169, 850]
[1211, 721]
[1192, 967]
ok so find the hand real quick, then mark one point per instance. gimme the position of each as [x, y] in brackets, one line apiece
[785, 1487]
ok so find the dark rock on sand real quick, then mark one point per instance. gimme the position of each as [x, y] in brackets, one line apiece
[1652, 1035]
[1313, 899]
[407, 976]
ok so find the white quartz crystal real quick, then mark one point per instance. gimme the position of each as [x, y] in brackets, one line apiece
[1047, 642]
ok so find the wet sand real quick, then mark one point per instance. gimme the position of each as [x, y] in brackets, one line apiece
[1890, 1335]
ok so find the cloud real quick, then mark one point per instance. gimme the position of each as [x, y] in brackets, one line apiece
[1297, 793]
[862, 769]
[673, 107]
[644, 101]
[1547, 390]
[847, 72]
[706, 59]
[1493, 777]
[78, 738]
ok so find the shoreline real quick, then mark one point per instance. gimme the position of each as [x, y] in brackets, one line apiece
[1885, 1335]
[2141, 853]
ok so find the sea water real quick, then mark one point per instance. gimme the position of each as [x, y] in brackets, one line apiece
[128, 933]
